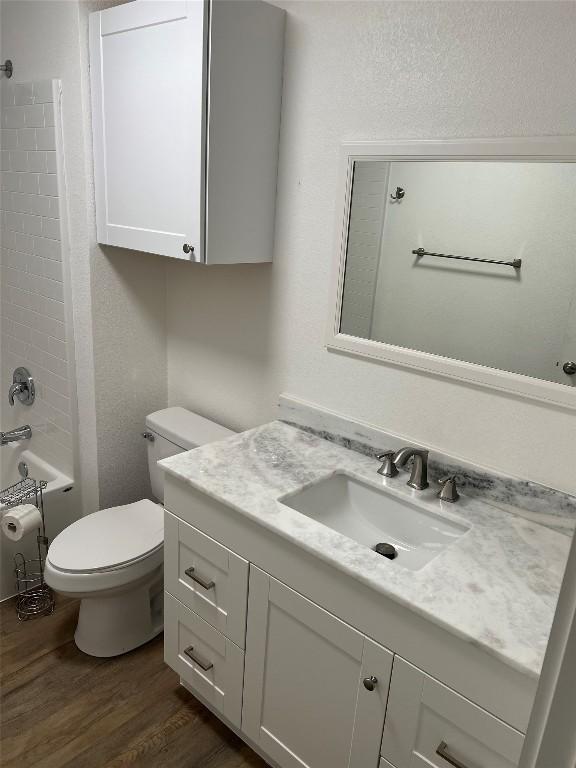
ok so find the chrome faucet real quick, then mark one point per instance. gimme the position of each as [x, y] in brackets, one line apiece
[419, 474]
[14, 435]
[22, 387]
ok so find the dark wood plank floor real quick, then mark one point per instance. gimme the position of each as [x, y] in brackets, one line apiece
[61, 708]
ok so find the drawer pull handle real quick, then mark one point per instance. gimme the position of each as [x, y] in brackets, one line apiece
[206, 665]
[198, 579]
[442, 751]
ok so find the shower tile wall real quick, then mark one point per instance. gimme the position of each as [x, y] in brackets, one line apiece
[34, 328]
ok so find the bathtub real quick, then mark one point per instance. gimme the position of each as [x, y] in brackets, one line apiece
[60, 507]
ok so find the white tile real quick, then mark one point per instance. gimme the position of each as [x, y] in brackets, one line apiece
[49, 307]
[20, 332]
[51, 162]
[6, 94]
[27, 138]
[4, 160]
[49, 325]
[21, 298]
[50, 289]
[23, 93]
[29, 183]
[10, 182]
[18, 160]
[9, 138]
[14, 221]
[13, 117]
[32, 225]
[42, 91]
[7, 202]
[23, 243]
[51, 228]
[48, 184]
[47, 249]
[34, 115]
[46, 268]
[20, 203]
[38, 205]
[45, 138]
[37, 161]
[48, 115]
[56, 348]
[9, 239]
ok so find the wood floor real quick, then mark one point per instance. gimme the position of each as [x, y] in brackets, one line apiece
[61, 708]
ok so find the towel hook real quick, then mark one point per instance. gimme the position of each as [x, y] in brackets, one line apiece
[399, 194]
[7, 68]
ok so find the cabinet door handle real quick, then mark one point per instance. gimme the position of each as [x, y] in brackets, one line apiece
[198, 579]
[205, 665]
[370, 682]
[442, 751]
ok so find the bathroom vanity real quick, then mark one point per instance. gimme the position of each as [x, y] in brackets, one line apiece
[320, 652]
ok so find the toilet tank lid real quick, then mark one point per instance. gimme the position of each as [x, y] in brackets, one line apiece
[186, 429]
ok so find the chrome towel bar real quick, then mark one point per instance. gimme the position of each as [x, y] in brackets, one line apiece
[516, 263]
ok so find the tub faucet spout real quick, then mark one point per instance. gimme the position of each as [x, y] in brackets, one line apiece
[15, 435]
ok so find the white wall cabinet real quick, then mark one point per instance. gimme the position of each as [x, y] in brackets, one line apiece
[305, 703]
[186, 99]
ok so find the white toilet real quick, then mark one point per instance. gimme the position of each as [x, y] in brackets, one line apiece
[113, 559]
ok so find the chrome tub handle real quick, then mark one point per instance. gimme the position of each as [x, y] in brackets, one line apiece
[190, 572]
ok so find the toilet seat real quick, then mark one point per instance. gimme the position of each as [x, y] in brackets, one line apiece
[109, 539]
[108, 549]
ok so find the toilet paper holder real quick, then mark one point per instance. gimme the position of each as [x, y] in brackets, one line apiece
[34, 597]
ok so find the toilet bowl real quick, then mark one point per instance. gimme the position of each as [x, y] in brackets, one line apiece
[113, 559]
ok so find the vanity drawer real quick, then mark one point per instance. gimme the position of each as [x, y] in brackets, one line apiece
[206, 577]
[428, 724]
[206, 661]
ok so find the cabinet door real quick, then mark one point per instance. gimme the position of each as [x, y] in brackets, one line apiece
[148, 82]
[305, 703]
[431, 726]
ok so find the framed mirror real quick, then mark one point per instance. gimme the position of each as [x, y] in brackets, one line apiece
[459, 258]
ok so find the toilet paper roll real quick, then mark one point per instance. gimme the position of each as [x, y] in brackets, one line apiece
[20, 520]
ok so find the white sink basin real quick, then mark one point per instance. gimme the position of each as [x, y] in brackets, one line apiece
[371, 516]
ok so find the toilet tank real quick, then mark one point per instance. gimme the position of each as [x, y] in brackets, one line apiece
[175, 430]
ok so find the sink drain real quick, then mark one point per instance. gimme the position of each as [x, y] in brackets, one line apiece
[387, 550]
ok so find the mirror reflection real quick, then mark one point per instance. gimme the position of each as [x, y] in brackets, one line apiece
[471, 260]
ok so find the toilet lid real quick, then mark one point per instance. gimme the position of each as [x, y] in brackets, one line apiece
[110, 538]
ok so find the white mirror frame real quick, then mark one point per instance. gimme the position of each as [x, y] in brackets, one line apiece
[553, 149]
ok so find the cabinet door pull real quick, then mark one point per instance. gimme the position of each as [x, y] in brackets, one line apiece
[198, 579]
[370, 682]
[442, 751]
[205, 665]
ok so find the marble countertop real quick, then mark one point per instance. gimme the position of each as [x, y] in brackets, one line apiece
[496, 586]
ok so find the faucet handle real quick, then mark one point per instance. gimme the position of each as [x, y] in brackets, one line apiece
[449, 490]
[388, 468]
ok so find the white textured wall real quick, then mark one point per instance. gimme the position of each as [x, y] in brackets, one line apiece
[377, 71]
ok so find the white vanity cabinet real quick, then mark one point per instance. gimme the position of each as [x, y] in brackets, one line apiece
[186, 101]
[315, 689]
[292, 657]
